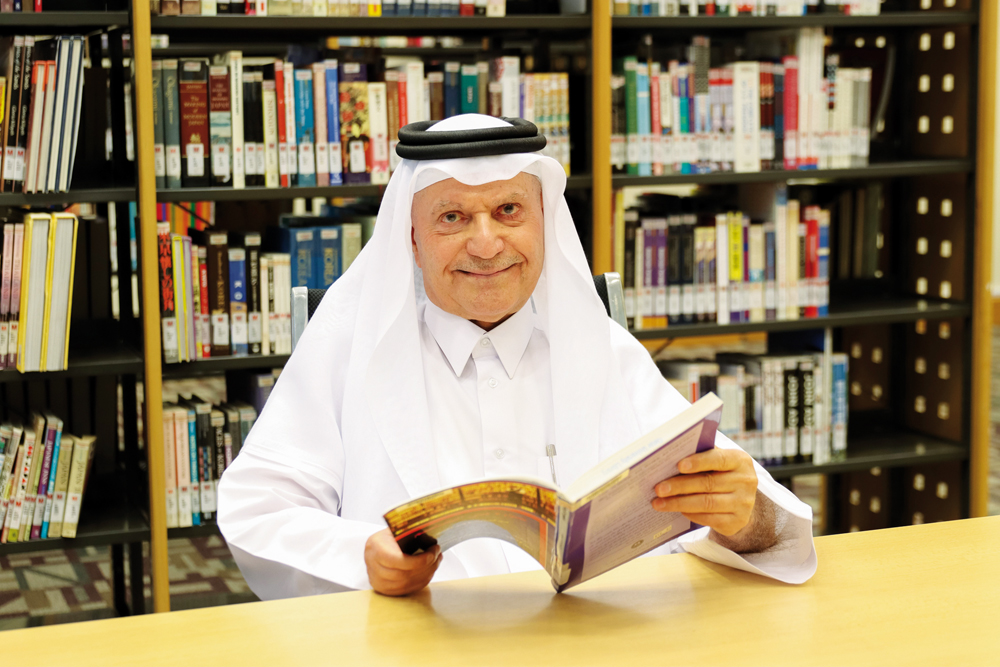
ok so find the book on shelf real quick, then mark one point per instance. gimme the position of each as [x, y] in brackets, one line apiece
[732, 8]
[368, 8]
[43, 476]
[607, 508]
[40, 111]
[335, 121]
[780, 408]
[798, 112]
[201, 440]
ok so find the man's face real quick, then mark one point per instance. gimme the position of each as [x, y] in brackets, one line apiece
[480, 247]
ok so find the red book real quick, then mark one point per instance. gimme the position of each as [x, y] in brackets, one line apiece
[404, 113]
[194, 123]
[279, 86]
[206, 338]
[791, 111]
[168, 310]
[812, 259]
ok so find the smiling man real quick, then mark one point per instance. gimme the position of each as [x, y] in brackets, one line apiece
[465, 338]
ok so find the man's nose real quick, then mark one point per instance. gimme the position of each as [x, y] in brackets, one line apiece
[485, 241]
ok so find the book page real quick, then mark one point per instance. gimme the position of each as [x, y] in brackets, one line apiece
[518, 512]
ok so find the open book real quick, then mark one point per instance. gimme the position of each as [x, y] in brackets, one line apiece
[602, 520]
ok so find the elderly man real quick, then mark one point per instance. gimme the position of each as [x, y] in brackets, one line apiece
[465, 338]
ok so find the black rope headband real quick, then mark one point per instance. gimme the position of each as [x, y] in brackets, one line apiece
[416, 143]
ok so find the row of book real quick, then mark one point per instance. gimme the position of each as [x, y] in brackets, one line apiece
[801, 112]
[744, 7]
[330, 7]
[779, 408]
[683, 265]
[39, 258]
[200, 441]
[43, 478]
[261, 122]
[41, 96]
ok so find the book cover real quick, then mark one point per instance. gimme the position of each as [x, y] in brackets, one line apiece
[12, 533]
[602, 520]
[168, 319]
[326, 265]
[322, 145]
[13, 105]
[221, 125]
[238, 302]
[332, 91]
[290, 123]
[304, 128]
[66, 446]
[218, 292]
[46, 481]
[269, 102]
[191, 286]
[379, 132]
[170, 469]
[203, 320]
[172, 123]
[83, 456]
[159, 156]
[251, 242]
[14, 328]
[39, 82]
[182, 457]
[279, 98]
[234, 61]
[355, 137]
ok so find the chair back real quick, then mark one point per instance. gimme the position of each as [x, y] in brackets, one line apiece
[609, 287]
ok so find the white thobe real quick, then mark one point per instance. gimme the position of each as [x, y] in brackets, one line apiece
[490, 407]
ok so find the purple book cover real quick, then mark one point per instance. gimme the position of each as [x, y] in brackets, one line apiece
[43, 483]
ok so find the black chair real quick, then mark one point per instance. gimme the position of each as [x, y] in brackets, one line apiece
[306, 300]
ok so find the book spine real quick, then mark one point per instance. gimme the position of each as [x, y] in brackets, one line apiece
[304, 129]
[807, 399]
[687, 268]
[379, 133]
[82, 450]
[8, 260]
[812, 261]
[333, 122]
[257, 109]
[272, 174]
[219, 442]
[42, 494]
[172, 124]
[13, 106]
[273, 323]
[13, 333]
[238, 301]
[14, 533]
[168, 319]
[328, 266]
[191, 286]
[823, 264]
[221, 121]
[322, 146]
[279, 96]
[34, 136]
[770, 282]
[792, 417]
[61, 485]
[235, 60]
[204, 319]
[159, 155]
[192, 461]
[218, 294]
[290, 124]
[183, 461]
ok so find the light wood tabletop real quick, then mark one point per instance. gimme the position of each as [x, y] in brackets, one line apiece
[921, 595]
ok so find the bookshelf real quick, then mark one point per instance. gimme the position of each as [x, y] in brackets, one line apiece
[891, 449]
[104, 353]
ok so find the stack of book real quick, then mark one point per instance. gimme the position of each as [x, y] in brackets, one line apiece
[39, 256]
[41, 95]
[803, 111]
[331, 7]
[744, 7]
[200, 440]
[43, 478]
[779, 408]
[260, 122]
[683, 262]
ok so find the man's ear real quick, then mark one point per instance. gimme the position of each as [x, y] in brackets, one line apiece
[413, 241]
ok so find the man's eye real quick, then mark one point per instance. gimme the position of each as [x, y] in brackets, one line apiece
[451, 217]
[509, 209]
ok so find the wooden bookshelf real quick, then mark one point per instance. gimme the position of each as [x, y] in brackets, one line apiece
[826, 20]
[43, 22]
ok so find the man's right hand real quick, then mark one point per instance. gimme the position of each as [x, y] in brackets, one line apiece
[391, 572]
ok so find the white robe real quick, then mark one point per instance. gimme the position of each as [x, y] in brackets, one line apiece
[346, 432]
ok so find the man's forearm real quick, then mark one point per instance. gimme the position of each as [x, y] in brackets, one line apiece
[760, 534]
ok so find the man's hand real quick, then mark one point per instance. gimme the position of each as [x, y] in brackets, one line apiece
[391, 572]
[716, 488]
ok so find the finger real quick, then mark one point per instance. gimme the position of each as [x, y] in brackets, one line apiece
[712, 460]
[390, 556]
[708, 482]
[700, 503]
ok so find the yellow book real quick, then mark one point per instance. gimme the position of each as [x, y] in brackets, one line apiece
[83, 454]
[33, 299]
[50, 257]
[62, 485]
[180, 295]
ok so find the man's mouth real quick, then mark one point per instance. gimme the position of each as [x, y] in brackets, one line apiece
[488, 273]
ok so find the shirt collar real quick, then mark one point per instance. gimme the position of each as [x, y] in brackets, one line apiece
[458, 337]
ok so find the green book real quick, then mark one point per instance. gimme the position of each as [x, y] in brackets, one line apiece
[171, 123]
[470, 89]
[627, 67]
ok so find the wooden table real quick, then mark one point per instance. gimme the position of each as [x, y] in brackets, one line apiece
[906, 596]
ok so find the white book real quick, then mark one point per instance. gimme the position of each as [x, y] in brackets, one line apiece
[71, 122]
[60, 289]
[209, 8]
[415, 92]
[41, 182]
[272, 178]
[781, 252]
[265, 309]
[508, 75]
[320, 8]
[722, 267]
[293, 148]
[183, 459]
[234, 59]
[35, 137]
[378, 123]
[746, 107]
[58, 112]
[170, 468]
[261, 7]
[320, 125]
[21, 484]
[792, 259]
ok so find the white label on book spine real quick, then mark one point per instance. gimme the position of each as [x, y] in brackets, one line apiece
[254, 330]
[196, 159]
[19, 165]
[220, 161]
[159, 160]
[3, 336]
[174, 161]
[283, 157]
[239, 328]
[12, 338]
[261, 159]
[673, 304]
[205, 329]
[8, 161]
[170, 333]
[220, 329]
[356, 156]
[322, 159]
[250, 158]
[307, 164]
[335, 160]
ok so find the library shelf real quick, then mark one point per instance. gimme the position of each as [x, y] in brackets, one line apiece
[438, 25]
[70, 21]
[215, 365]
[90, 362]
[885, 20]
[886, 451]
[90, 195]
[100, 526]
[872, 171]
[256, 193]
[888, 311]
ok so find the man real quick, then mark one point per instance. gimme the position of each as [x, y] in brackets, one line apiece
[465, 338]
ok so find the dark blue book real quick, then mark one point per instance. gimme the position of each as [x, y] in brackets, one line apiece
[304, 129]
[327, 260]
[300, 244]
[239, 336]
[388, 7]
[452, 89]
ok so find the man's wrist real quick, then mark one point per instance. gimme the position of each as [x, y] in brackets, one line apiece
[758, 535]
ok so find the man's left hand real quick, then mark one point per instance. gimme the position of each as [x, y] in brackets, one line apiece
[716, 488]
